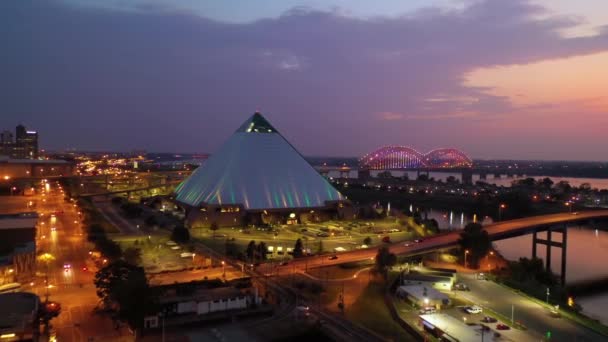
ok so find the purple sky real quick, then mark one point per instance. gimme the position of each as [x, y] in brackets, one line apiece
[170, 78]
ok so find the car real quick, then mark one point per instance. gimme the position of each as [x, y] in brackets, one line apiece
[488, 319]
[481, 276]
[333, 257]
[501, 326]
[53, 229]
[386, 239]
[407, 244]
[473, 309]
[67, 266]
[461, 287]
[418, 240]
[395, 230]
[427, 310]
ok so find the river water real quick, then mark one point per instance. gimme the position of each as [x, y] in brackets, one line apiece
[600, 183]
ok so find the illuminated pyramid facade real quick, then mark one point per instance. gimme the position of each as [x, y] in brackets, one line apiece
[257, 171]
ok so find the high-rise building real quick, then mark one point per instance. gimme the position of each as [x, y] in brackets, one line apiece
[6, 143]
[26, 143]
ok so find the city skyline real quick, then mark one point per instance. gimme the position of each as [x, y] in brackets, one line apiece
[339, 79]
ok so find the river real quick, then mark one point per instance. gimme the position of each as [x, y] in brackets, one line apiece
[599, 183]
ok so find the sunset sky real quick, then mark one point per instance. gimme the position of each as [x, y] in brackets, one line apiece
[498, 79]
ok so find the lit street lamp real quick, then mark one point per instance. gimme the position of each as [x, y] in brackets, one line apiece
[466, 252]
[569, 205]
[488, 259]
[224, 269]
[501, 207]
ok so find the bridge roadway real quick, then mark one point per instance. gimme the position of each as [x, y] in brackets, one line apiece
[496, 231]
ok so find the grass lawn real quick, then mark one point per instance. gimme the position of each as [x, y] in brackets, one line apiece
[371, 311]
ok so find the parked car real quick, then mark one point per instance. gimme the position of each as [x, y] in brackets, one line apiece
[473, 309]
[461, 287]
[427, 310]
[333, 257]
[488, 319]
[418, 240]
[407, 244]
[501, 326]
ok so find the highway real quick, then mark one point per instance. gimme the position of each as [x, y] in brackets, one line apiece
[496, 231]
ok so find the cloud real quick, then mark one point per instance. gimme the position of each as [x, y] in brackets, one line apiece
[390, 116]
[172, 81]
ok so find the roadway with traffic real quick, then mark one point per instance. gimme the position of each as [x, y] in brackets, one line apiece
[496, 231]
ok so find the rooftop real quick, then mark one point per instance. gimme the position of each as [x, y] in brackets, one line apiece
[202, 295]
[18, 221]
[455, 328]
[17, 310]
[418, 291]
[6, 159]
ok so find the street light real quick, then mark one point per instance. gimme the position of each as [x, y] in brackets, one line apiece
[488, 259]
[569, 205]
[548, 293]
[466, 252]
[501, 207]
[224, 269]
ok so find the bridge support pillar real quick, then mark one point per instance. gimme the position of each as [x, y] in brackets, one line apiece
[548, 242]
[548, 257]
[534, 238]
[564, 249]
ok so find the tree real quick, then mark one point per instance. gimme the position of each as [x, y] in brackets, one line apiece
[384, 260]
[251, 250]
[123, 287]
[180, 234]
[109, 248]
[132, 256]
[95, 232]
[151, 220]
[262, 249]
[476, 241]
[367, 241]
[298, 250]
[547, 183]
[320, 248]
[214, 227]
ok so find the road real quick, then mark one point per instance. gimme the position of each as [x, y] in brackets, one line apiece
[60, 234]
[496, 231]
[534, 316]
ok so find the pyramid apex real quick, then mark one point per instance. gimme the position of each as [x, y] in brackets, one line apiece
[257, 123]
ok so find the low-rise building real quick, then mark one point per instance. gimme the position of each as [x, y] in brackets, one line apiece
[423, 296]
[450, 329]
[200, 303]
[17, 246]
[11, 169]
[19, 317]
[436, 281]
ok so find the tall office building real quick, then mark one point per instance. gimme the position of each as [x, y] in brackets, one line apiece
[6, 143]
[26, 143]
[24, 146]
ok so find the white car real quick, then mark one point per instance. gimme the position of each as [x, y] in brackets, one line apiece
[474, 309]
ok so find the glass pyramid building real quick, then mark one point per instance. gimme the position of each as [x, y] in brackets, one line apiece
[257, 170]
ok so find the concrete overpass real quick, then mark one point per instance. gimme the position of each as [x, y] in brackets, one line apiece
[496, 231]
